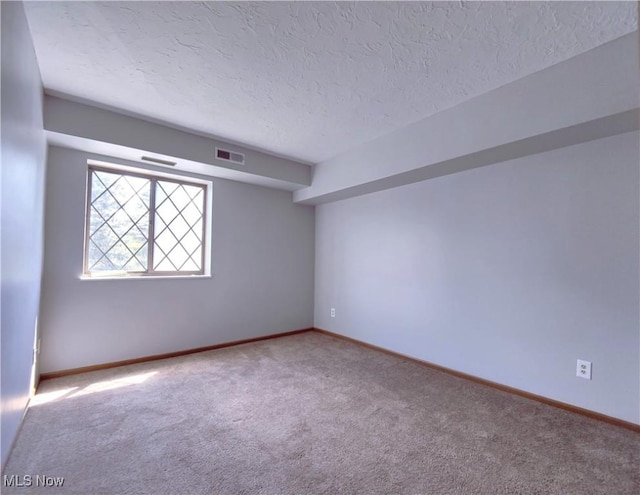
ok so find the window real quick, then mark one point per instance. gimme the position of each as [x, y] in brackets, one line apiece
[143, 225]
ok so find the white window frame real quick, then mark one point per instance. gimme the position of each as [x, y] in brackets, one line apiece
[153, 176]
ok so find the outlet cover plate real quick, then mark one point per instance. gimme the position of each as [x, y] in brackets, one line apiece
[583, 369]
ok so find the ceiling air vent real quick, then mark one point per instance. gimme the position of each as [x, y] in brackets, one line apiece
[229, 156]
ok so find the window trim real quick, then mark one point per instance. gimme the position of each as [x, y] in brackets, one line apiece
[153, 177]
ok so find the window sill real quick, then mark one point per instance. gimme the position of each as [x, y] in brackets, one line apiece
[85, 278]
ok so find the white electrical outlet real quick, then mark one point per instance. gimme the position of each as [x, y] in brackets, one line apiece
[583, 369]
[333, 312]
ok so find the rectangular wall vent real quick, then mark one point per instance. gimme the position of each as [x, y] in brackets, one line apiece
[229, 156]
[158, 161]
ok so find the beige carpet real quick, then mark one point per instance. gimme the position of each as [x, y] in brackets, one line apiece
[309, 414]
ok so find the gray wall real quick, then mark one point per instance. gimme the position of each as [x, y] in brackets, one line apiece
[508, 272]
[262, 283]
[23, 171]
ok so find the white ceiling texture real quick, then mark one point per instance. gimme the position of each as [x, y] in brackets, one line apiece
[305, 80]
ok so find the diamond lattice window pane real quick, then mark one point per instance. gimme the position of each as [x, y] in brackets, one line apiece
[191, 214]
[165, 266]
[97, 187]
[190, 266]
[137, 208]
[178, 227]
[118, 222]
[164, 190]
[106, 178]
[103, 239]
[95, 220]
[180, 198]
[167, 211]
[197, 254]
[121, 222]
[122, 191]
[134, 265]
[103, 265]
[142, 189]
[106, 204]
[178, 256]
[164, 242]
[191, 242]
[119, 255]
[136, 241]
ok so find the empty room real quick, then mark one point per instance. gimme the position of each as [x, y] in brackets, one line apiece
[300, 248]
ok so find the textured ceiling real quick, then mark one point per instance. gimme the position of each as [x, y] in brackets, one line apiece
[306, 80]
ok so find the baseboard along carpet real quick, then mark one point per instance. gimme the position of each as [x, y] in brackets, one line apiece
[307, 414]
